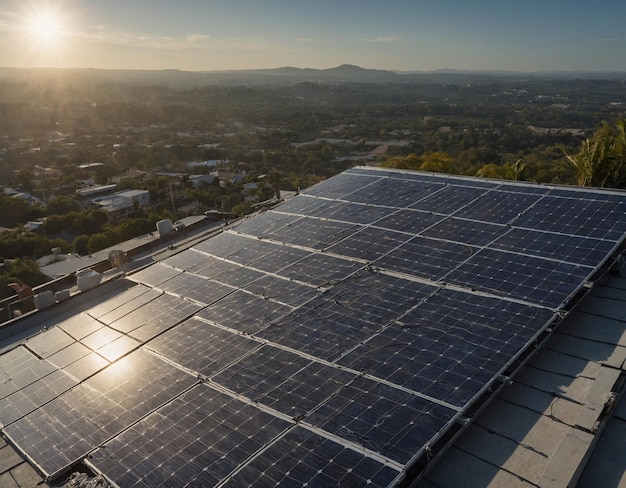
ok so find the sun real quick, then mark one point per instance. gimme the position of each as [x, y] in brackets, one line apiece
[45, 28]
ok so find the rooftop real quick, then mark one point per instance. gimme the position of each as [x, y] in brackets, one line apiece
[368, 331]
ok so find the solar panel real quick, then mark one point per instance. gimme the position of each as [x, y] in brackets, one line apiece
[333, 340]
[187, 346]
[448, 200]
[198, 439]
[96, 410]
[244, 312]
[534, 280]
[284, 381]
[466, 231]
[314, 233]
[305, 458]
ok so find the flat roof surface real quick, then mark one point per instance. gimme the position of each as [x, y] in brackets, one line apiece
[341, 337]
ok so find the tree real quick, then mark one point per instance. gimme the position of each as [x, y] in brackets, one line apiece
[601, 159]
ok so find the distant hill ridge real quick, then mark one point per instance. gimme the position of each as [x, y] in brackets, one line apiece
[345, 73]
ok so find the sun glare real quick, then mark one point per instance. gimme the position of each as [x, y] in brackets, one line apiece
[45, 28]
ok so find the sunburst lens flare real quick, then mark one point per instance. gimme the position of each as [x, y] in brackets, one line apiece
[45, 28]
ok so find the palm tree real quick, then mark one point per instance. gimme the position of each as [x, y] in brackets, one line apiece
[601, 159]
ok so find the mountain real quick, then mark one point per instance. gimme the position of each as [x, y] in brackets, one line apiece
[346, 73]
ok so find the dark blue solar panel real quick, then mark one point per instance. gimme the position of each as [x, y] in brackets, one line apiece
[223, 244]
[302, 205]
[265, 224]
[572, 249]
[314, 233]
[194, 287]
[450, 346]
[336, 362]
[411, 221]
[535, 280]
[244, 312]
[393, 192]
[282, 290]
[19, 367]
[117, 310]
[304, 458]
[340, 185]
[49, 342]
[284, 381]
[351, 312]
[201, 347]
[198, 439]
[278, 258]
[33, 396]
[352, 212]
[448, 200]
[498, 207]
[382, 419]
[466, 231]
[580, 217]
[426, 258]
[369, 243]
[320, 269]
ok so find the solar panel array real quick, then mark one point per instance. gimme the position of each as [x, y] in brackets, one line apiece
[327, 342]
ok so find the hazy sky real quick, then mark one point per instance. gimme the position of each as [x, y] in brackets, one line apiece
[523, 35]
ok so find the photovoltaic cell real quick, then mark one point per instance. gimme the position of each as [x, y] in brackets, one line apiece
[49, 341]
[198, 439]
[67, 428]
[584, 217]
[201, 347]
[319, 269]
[284, 381]
[304, 458]
[450, 346]
[212, 266]
[155, 317]
[351, 312]
[118, 301]
[466, 231]
[196, 288]
[267, 223]
[381, 418]
[244, 312]
[313, 233]
[429, 259]
[352, 212]
[278, 258]
[154, 275]
[573, 249]
[340, 185]
[448, 200]
[185, 259]
[282, 290]
[369, 243]
[498, 207]
[33, 396]
[302, 205]
[223, 244]
[19, 368]
[535, 280]
[411, 221]
[393, 192]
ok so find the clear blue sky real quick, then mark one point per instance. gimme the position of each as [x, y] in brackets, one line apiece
[525, 35]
